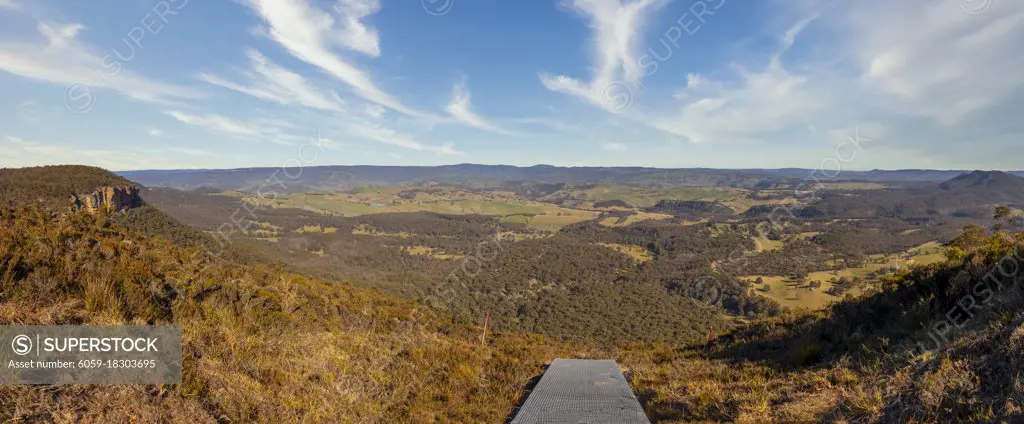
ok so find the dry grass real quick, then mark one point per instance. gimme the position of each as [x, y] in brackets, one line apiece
[556, 222]
[764, 244]
[519, 236]
[633, 219]
[797, 295]
[431, 252]
[265, 346]
[366, 230]
[638, 253]
[439, 199]
[259, 345]
[690, 388]
[856, 362]
[316, 229]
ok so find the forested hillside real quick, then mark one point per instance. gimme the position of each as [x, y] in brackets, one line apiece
[567, 286]
[51, 187]
[941, 343]
[291, 330]
[651, 278]
[259, 344]
[339, 178]
[861, 360]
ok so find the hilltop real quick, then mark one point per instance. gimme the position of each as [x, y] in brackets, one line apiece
[341, 178]
[287, 341]
[259, 344]
[54, 187]
[992, 181]
[940, 343]
[68, 188]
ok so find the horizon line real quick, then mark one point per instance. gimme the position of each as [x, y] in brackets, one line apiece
[564, 167]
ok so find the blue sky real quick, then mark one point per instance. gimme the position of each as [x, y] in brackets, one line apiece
[143, 84]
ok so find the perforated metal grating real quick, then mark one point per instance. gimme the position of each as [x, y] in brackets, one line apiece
[575, 391]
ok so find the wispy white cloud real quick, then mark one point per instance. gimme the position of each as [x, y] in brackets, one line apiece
[308, 33]
[461, 109]
[353, 33]
[935, 59]
[762, 103]
[382, 134]
[789, 37]
[328, 144]
[268, 81]
[614, 147]
[546, 124]
[19, 152]
[60, 58]
[192, 152]
[922, 76]
[374, 111]
[926, 74]
[216, 122]
[274, 131]
[35, 113]
[618, 27]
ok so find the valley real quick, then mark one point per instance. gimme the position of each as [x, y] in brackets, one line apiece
[815, 290]
[766, 250]
[517, 212]
[704, 303]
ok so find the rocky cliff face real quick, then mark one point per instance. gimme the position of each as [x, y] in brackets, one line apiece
[108, 199]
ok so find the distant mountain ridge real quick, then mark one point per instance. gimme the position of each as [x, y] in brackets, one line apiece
[986, 180]
[339, 178]
[972, 194]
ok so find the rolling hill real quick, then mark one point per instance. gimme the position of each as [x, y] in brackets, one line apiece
[264, 343]
[259, 344]
[341, 178]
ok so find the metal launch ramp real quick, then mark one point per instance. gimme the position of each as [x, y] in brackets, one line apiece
[576, 391]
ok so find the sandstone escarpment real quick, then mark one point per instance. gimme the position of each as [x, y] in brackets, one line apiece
[108, 199]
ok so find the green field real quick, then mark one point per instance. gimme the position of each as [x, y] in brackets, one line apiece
[642, 197]
[445, 200]
[764, 244]
[556, 222]
[638, 253]
[429, 251]
[789, 294]
[515, 219]
[632, 219]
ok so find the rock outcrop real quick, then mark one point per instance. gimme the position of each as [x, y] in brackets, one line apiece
[108, 199]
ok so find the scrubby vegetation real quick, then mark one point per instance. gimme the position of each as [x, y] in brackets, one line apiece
[51, 187]
[615, 203]
[690, 208]
[563, 285]
[298, 316]
[914, 351]
[260, 345]
[543, 281]
[367, 357]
